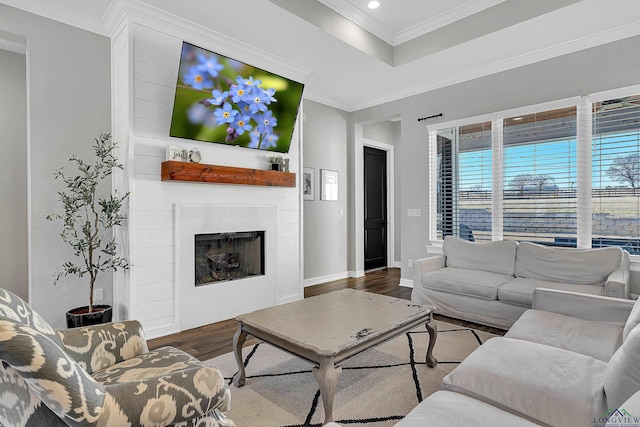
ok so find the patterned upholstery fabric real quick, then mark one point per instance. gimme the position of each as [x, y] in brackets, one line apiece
[99, 376]
[98, 348]
[12, 307]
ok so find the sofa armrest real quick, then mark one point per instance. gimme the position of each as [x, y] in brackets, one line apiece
[425, 265]
[583, 306]
[617, 284]
[100, 346]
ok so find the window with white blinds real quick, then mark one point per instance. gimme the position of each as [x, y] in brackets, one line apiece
[539, 177]
[616, 173]
[464, 182]
[567, 176]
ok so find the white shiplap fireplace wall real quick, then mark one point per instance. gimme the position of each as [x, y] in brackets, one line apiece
[145, 57]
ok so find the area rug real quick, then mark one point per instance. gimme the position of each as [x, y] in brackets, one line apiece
[376, 388]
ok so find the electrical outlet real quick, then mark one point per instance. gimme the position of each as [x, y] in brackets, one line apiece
[409, 263]
[98, 294]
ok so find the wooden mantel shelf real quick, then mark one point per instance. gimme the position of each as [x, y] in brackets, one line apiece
[198, 172]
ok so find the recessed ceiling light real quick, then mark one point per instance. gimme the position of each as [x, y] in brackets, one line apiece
[373, 4]
[517, 118]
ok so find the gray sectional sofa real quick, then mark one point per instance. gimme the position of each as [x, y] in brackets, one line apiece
[570, 361]
[492, 283]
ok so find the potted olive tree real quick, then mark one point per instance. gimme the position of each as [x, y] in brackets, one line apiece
[88, 224]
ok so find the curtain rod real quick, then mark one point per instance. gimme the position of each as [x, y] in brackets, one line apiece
[430, 117]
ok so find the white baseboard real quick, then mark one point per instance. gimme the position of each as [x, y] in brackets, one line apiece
[407, 283]
[356, 274]
[291, 298]
[324, 279]
[161, 332]
[397, 264]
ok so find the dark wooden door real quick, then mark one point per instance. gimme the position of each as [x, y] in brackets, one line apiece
[375, 208]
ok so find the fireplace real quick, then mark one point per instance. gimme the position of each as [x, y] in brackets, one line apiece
[213, 301]
[228, 256]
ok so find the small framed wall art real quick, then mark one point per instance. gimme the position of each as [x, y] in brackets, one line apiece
[328, 185]
[308, 183]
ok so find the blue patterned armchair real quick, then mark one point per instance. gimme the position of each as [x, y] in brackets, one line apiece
[101, 375]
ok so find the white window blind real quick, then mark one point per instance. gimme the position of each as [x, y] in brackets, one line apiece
[539, 177]
[616, 173]
[464, 182]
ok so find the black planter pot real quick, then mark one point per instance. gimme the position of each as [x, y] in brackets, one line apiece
[79, 317]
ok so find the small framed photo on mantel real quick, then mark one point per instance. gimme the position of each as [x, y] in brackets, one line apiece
[308, 183]
[328, 185]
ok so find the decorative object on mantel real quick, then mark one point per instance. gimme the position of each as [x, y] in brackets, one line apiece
[199, 172]
[194, 155]
[88, 223]
[328, 185]
[277, 163]
[308, 183]
[177, 153]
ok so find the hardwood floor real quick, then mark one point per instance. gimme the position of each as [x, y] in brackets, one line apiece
[216, 339]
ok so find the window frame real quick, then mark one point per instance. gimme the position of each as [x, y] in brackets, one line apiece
[583, 160]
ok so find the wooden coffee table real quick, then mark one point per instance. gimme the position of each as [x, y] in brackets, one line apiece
[329, 328]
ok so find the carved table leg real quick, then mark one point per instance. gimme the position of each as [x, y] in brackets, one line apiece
[327, 378]
[238, 341]
[432, 328]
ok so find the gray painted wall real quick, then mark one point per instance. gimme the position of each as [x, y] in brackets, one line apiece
[13, 174]
[325, 230]
[576, 74]
[69, 75]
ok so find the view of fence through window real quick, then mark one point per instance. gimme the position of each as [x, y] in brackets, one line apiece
[464, 187]
[616, 173]
[539, 177]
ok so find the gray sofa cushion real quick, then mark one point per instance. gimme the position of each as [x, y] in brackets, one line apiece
[622, 378]
[567, 265]
[595, 339]
[633, 320]
[475, 283]
[520, 290]
[449, 409]
[496, 257]
[552, 386]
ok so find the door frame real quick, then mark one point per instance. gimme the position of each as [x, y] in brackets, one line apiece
[360, 143]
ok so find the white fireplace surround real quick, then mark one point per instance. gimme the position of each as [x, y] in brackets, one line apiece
[222, 300]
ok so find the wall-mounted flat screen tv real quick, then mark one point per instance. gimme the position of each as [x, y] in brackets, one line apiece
[221, 100]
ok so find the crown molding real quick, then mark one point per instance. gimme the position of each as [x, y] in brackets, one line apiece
[469, 8]
[13, 42]
[20, 48]
[176, 26]
[360, 18]
[45, 9]
[349, 11]
[326, 101]
[593, 40]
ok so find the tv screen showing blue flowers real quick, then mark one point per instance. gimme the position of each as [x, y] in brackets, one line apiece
[219, 99]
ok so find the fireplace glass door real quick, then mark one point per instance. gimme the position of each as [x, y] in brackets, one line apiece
[228, 256]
